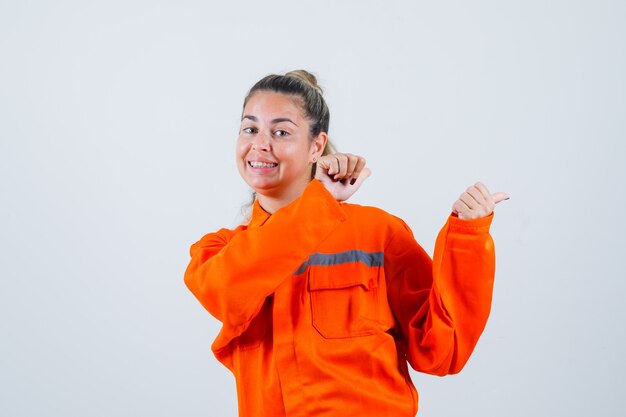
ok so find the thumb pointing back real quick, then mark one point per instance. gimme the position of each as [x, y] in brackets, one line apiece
[498, 197]
[362, 177]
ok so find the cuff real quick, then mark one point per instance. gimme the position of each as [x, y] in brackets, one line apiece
[479, 225]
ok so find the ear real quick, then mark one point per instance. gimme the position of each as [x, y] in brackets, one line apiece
[317, 145]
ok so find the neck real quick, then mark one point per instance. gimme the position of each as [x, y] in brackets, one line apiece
[274, 202]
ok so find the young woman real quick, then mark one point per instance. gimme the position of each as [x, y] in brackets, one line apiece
[322, 302]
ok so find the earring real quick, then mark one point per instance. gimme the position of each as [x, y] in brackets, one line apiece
[314, 159]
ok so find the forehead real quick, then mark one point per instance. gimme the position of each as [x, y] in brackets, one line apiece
[271, 105]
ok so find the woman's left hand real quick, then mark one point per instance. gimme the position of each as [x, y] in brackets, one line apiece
[342, 174]
[477, 202]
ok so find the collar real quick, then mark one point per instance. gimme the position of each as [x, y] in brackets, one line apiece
[259, 215]
[314, 197]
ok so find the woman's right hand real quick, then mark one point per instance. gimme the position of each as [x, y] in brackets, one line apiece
[342, 174]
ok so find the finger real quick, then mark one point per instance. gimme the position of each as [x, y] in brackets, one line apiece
[460, 209]
[475, 208]
[461, 205]
[360, 165]
[485, 204]
[478, 196]
[323, 163]
[469, 200]
[352, 162]
[455, 209]
[365, 173]
[343, 166]
[333, 163]
[499, 196]
[483, 190]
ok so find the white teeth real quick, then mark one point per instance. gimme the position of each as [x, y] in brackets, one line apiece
[257, 164]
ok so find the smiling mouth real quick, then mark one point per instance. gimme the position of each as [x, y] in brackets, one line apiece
[257, 164]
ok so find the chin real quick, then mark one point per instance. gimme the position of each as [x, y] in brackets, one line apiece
[261, 186]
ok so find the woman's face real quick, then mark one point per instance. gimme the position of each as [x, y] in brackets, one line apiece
[274, 152]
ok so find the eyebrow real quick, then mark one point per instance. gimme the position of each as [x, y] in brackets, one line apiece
[277, 120]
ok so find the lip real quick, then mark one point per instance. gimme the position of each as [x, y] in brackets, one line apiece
[259, 159]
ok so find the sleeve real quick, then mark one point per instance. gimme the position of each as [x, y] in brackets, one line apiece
[232, 272]
[441, 305]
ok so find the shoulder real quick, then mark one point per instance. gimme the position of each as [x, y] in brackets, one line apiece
[383, 231]
[374, 217]
[220, 237]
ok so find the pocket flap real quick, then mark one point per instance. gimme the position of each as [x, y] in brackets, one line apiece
[343, 276]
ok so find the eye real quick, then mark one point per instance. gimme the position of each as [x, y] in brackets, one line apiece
[281, 133]
[248, 130]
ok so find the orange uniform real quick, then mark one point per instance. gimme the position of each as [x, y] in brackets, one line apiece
[323, 303]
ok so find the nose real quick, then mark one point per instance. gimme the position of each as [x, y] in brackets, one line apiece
[261, 142]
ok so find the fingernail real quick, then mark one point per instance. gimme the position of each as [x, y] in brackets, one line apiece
[352, 181]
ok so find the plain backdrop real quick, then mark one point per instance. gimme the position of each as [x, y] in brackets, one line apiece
[117, 128]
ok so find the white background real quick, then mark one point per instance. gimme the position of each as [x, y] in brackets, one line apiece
[117, 128]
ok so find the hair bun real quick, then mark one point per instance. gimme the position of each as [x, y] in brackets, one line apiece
[307, 77]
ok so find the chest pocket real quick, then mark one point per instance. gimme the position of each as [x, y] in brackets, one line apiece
[345, 300]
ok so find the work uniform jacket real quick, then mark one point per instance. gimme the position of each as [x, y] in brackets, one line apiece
[323, 303]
